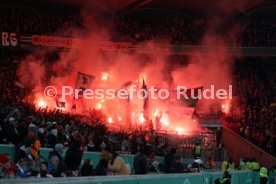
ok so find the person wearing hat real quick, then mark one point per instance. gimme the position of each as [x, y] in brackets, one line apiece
[6, 167]
[263, 175]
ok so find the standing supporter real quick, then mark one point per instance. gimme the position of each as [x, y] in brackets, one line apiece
[231, 165]
[176, 166]
[263, 175]
[169, 159]
[140, 162]
[73, 156]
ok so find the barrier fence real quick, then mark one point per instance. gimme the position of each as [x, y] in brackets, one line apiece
[238, 177]
[241, 177]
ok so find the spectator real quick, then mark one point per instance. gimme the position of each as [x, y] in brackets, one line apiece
[6, 167]
[54, 166]
[25, 151]
[176, 166]
[44, 173]
[117, 165]
[73, 156]
[57, 151]
[87, 168]
[226, 179]
[101, 169]
[169, 159]
[140, 162]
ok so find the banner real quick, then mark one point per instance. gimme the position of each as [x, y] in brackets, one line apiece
[185, 105]
[83, 82]
[9, 39]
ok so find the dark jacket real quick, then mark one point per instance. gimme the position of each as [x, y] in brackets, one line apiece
[20, 154]
[263, 180]
[87, 170]
[168, 160]
[140, 164]
[101, 169]
[55, 153]
[73, 156]
[176, 167]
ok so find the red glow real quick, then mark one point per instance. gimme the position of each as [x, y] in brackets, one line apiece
[141, 118]
[99, 106]
[225, 107]
[156, 112]
[42, 104]
[109, 120]
[119, 118]
[180, 131]
[105, 76]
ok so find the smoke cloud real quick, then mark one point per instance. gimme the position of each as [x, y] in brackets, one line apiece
[210, 66]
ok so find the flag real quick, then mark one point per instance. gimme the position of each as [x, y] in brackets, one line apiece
[146, 100]
[83, 82]
[18, 84]
[185, 105]
[60, 104]
[124, 86]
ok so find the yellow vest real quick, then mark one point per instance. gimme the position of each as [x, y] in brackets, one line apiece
[198, 150]
[224, 165]
[255, 166]
[231, 167]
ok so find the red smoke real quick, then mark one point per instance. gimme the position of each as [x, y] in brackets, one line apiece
[113, 68]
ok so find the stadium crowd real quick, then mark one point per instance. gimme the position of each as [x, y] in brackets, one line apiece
[29, 128]
[253, 113]
[28, 21]
[179, 30]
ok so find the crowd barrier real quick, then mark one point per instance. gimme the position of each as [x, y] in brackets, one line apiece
[238, 177]
[94, 156]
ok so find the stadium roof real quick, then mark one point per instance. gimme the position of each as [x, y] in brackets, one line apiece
[197, 8]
